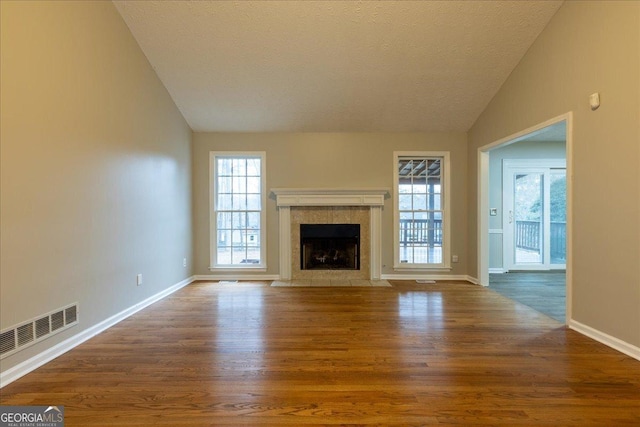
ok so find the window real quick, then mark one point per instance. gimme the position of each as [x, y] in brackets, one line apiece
[237, 210]
[421, 210]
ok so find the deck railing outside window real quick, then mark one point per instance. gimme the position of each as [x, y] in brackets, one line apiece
[528, 237]
[418, 231]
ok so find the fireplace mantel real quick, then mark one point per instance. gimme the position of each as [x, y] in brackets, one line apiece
[286, 198]
[330, 196]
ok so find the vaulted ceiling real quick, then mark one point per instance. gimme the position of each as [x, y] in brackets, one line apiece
[334, 66]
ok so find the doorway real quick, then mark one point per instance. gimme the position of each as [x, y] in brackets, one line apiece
[533, 256]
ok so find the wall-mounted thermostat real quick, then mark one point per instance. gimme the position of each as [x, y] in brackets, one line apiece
[594, 101]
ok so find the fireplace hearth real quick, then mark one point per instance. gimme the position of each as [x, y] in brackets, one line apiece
[330, 246]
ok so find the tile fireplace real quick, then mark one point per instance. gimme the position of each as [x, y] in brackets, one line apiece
[332, 207]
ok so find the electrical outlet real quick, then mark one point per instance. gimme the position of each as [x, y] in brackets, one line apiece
[184, 262]
[454, 258]
[139, 279]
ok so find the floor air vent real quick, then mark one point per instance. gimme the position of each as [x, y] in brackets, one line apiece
[18, 337]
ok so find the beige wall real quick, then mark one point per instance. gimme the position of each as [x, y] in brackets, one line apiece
[95, 168]
[587, 47]
[320, 160]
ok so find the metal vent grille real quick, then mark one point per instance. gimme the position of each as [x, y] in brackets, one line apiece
[25, 334]
[57, 320]
[42, 327]
[70, 315]
[20, 336]
[7, 341]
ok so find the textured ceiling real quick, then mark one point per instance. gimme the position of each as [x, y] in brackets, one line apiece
[334, 66]
[553, 133]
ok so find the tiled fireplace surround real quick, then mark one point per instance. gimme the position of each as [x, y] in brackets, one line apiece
[330, 206]
[330, 215]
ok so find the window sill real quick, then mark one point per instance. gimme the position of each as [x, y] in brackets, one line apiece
[421, 267]
[259, 268]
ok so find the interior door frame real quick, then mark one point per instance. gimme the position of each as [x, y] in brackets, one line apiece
[482, 228]
[509, 167]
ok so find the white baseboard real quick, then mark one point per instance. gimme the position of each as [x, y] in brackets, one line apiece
[216, 277]
[606, 339]
[417, 276]
[473, 280]
[22, 369]
[496, 270]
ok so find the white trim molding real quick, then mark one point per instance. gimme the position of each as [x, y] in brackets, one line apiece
[29, 365]
[375, 242]
[371, 197]
[250, 277]
[330, 196]
[606, 339]
[284, 257]
[441, 277]
[473, 280]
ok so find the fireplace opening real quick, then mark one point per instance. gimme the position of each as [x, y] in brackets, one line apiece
[330, 246]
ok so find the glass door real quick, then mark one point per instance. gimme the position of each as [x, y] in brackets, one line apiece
[558, 218]
[534, 218]
[528, 191]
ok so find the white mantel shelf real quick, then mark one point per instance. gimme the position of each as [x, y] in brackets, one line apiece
[330, 196]
[286, 198]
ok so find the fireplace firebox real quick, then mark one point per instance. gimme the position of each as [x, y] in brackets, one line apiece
[330, 246]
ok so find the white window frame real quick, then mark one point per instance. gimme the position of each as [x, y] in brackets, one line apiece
[444, 156]
[213, 225]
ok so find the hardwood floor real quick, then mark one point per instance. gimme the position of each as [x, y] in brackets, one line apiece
[252, 354]
[543, 291]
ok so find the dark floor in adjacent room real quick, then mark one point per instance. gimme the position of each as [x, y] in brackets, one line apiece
[542, 291]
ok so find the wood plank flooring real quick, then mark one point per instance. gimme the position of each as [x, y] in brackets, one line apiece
[250, 354]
